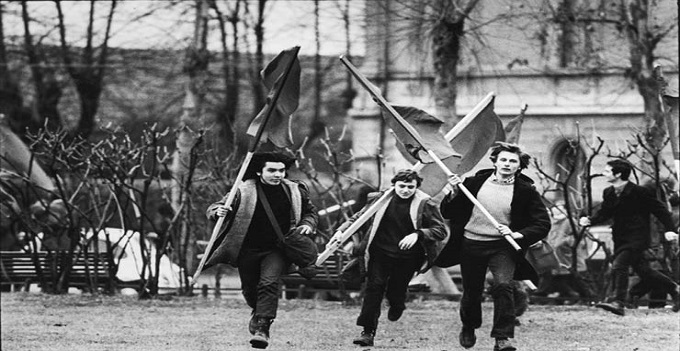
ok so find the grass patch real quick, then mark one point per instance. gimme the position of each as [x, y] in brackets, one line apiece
[84, 322]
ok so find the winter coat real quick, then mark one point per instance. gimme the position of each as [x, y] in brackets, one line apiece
[425, 217]
[528, 216]
[227, 246]
[630, 212]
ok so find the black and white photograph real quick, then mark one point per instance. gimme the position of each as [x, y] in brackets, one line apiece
[322, 175]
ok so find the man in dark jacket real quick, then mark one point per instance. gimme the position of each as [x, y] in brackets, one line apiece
[400, 241]
[249, 242]
[477, 245]
[629, 206]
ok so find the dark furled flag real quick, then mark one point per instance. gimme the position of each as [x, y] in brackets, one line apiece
[514, 127]
[427, 127]
[479, 132]
[277, 128]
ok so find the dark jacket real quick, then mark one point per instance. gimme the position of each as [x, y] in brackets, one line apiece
[227, 246]
[528, 215]
[630, 213]
[426, 219]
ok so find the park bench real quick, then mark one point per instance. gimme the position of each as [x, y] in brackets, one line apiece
[25, 268]
[327, 278]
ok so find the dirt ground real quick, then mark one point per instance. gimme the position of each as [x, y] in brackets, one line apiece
[32, 321]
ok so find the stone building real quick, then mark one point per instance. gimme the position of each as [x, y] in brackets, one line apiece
[590, 94]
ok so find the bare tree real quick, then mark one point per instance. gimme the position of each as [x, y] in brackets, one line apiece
[639, 26]
[11, 100]
[231, 70]
[188, 134]
[87, 72]
[47, 89]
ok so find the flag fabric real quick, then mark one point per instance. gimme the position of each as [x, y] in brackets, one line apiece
[669, 97]
[427, 127]
[514, 128]
[473, 142]
[277, 129]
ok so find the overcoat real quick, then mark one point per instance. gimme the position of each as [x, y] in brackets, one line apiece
[528, 215]
[630, 212]
[425, 217]
[227, 246]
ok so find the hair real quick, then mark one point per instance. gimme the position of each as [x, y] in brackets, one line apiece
[500, 146]
[260, 159]
[621, 167]
[407, 175]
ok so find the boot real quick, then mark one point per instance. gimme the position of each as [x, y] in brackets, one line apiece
[260, 339]
[675, 294]
[366, 337]
[467, 337]
[503, 344]
[615, 307]
[252, 324]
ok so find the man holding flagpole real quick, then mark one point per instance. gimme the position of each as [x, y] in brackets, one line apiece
[400, 241]
[263, 204]
[249, 240]
[478, 245]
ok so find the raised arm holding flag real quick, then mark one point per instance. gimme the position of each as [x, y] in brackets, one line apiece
[282, 77]
[417, 139]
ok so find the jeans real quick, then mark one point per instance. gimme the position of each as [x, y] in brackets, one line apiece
[260, 272]
[386, 276]
[499, 258]
[650, 276]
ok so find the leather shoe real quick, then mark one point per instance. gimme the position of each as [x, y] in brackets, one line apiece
[503, 345]
[615, 307]
[676, 299]
[365, 339]
[467, 337]
[394, 313]
[252, 324]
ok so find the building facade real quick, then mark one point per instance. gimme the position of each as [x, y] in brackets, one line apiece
[582, 101]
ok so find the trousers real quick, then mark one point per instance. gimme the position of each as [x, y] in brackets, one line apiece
[260, 273]
[499, 258]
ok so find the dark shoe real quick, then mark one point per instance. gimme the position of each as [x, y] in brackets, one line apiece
[260, 339]
[467, 337]
[252, 325]
[393, 314]
[676, 299]
[615, 307]
[503, 345]
[366, 338]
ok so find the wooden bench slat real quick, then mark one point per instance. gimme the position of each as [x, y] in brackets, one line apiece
[19, 267]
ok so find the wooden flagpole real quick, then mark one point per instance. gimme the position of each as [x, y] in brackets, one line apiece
[336, 242]
[414, 134]
[244, 166]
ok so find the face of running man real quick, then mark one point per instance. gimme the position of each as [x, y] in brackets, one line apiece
[272, 173]
[507, 164]
[405, 189]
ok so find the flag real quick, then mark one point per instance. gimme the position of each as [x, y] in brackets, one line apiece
[669, 97]
[473, 141]
[514, 127]
[277, 128]
[427, 127]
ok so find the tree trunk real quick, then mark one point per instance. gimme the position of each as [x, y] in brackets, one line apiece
[258, 93]
[196, 68]
[446, 36]
[642, 43]
[317, 126]
[88, 72]
[225, 115]
[47, 89]
[11, 100]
